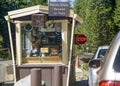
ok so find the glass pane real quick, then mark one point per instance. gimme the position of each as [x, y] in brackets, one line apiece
[41, 42]
[116, 64]
[102, 53]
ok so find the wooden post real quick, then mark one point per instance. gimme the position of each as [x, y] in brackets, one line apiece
[58, 76]
[36, 79]
[18, 43]
[71, 49]
[12, 50]
[65, 41]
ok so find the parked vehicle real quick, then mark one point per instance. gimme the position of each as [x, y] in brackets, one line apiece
[99, 54]
[109, 69]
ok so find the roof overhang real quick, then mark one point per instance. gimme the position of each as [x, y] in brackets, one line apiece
[36, 9]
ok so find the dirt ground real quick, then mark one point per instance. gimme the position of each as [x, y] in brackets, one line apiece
[80, 80]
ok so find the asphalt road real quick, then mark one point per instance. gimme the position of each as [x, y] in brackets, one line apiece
[80, 83]
[81, 80]
[77, 83]
[81, 77]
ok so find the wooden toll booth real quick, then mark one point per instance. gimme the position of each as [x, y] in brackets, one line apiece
[44, 42]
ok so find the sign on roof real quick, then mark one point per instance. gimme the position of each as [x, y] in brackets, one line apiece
[59, 8]
[38, 20]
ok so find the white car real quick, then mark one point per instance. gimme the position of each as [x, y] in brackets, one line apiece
[92, 72]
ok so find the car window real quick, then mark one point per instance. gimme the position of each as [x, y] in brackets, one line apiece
[116, 64]
[101, 53]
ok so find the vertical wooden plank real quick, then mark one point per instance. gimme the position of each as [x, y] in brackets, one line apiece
[71, 50]
[58, 76]
[36, 79]
[11, 47]
[65, 41]
[18, 43]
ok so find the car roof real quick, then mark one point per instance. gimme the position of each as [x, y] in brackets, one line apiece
[98, 50]
[103, 47]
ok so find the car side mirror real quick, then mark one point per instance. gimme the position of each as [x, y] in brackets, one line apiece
[95, 63]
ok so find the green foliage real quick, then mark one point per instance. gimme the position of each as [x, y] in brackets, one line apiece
[5, 54]
[37, 2]
[117, 16]
[8, 5]
[105, 9]
[101, 20]
[89, 27]
[1, 39]
[98, 22]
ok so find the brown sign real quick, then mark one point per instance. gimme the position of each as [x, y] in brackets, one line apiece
[38, 20]
[59, 8]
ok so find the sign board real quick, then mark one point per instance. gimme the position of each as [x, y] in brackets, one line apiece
[80, 39]
[44, 50]
[38, 20]
[59, 9]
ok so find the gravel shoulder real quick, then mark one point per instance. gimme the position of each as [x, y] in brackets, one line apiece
[81, 79]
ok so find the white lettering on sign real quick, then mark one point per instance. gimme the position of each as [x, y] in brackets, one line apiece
[59, 9]
[53, 4]
[59, 4]
[81, 39]
[61, 13]
[64, 5]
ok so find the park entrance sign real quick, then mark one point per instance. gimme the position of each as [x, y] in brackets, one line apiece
[59, 9]
[80, 39]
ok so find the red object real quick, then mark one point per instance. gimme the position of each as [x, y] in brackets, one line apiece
[109, 83]
[80, 39]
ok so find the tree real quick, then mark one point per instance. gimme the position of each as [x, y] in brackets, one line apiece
[36, 2]
[8, 5]
[105, 16]
[97, 22]
[87, 10]
[1, 40]
[117, 16]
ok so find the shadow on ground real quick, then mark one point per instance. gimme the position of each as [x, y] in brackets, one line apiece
[8, 84]
[81, 83]
[77, 83]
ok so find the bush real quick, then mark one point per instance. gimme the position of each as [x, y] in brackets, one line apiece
[5, 54]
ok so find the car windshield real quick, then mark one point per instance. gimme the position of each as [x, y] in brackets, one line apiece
[101, 53]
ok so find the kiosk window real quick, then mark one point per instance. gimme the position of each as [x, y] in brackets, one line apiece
[41, 41]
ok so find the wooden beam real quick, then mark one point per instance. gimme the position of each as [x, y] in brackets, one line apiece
[12, 50]
[71, 51]
[18, 43]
